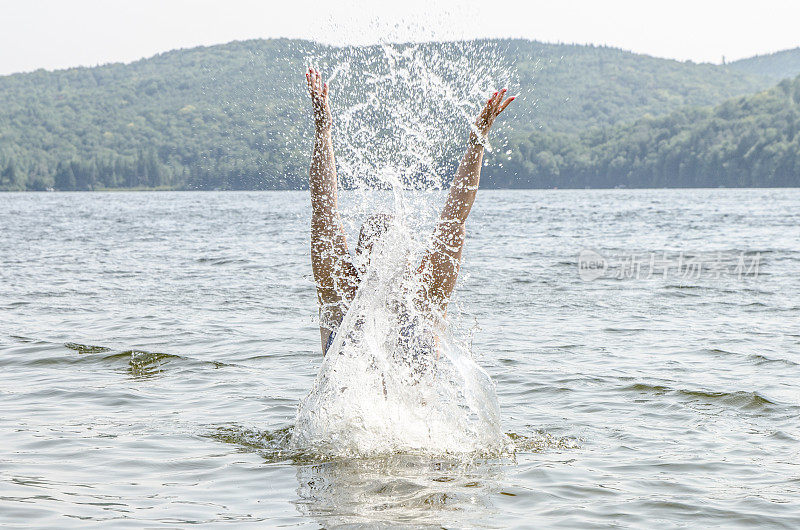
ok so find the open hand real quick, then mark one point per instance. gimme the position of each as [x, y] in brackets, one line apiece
[319, 99]
[492, 110]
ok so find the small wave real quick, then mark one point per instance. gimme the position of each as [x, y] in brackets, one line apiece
[738, 399]
[684, 291]
[86, 348]
[140, 363]
[144, 363]
[276, 445]
[25, 340]
[540, 442]
[759, 359]
[625, 330]
[756, 358]
[17, 303]
[272, 445]
[222, 261]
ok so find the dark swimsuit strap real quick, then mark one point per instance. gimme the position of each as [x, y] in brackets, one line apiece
[328, 344]
[332, 336]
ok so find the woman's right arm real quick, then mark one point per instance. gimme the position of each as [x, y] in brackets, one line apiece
[334, 273]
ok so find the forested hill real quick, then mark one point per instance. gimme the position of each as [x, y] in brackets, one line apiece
[228, 116]
[779, 65]
[751, 141]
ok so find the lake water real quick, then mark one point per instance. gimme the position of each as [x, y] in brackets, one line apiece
[154, 348]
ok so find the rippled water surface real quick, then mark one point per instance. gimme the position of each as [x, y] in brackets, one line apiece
[154, 348]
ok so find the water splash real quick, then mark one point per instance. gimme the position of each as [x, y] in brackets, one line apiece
[398, 379]
[402, 112]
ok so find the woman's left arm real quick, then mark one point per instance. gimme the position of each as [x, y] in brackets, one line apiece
[441, 264]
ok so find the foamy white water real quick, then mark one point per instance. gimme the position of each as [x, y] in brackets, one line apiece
[396, 379]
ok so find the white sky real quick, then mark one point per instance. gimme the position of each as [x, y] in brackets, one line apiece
[62, 33]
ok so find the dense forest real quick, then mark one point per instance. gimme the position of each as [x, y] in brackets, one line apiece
[751, 141]
[779, 65]
[234, 116]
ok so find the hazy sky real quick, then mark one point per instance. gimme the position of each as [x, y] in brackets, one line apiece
[62, 33]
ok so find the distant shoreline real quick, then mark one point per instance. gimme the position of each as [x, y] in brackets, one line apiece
[165, 189]
[225, 117]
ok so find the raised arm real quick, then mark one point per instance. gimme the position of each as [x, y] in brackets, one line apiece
[441, 264]
[334, 273]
